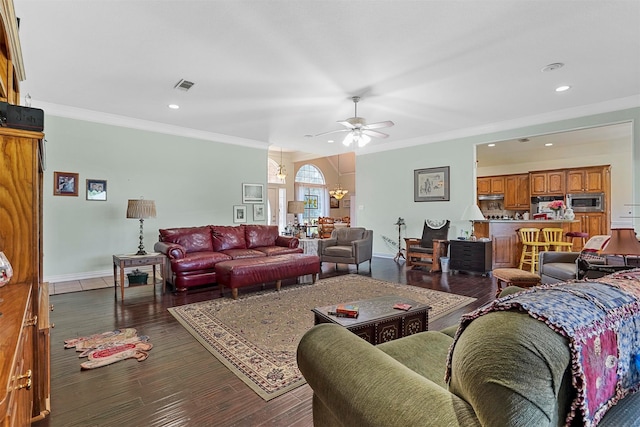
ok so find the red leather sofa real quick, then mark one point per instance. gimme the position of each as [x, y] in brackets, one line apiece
[193, 252]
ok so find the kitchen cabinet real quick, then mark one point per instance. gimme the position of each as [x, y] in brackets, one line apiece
[469, 255]
[588, 180]
[490, 185]
[516, 194]
[549, 183]
[592, 223]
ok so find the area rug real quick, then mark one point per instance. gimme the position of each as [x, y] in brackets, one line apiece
[256, 336]
[110, 347]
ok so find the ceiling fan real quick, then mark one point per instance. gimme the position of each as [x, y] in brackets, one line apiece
[359, 132]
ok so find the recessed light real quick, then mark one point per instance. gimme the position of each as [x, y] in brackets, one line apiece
[330, 141]
[491, 145]
[524, 140]
[548, 144]
[552, 67]
[174, 106]
[562, 88]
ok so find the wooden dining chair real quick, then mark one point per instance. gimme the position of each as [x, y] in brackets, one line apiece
[553, 238]
[531, 245]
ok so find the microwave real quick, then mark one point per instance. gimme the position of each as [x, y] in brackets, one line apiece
[586, 202]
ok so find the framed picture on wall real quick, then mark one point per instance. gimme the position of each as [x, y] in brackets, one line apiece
[258, 213]
[65, 184]
[97, 189]
[346, 203]
[334, 203]
[252, 193]
[431, 184]
[239, 214]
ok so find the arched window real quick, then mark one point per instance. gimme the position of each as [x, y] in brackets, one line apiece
[312, 189]
[272, 173]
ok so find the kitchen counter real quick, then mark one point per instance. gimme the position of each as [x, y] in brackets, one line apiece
[506, 246]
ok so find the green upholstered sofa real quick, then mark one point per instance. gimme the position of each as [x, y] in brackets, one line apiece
[507, 370]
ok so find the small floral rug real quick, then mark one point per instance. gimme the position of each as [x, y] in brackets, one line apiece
[256, 336]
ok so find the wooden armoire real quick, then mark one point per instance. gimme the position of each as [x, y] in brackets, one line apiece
[24, 302]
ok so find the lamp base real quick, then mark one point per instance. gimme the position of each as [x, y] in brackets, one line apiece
[141, 252]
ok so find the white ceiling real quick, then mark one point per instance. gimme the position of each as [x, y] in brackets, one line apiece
[267, 73]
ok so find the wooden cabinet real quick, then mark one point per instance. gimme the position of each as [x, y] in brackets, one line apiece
[547, 183]
[588, 180]
[20, 240]
[516, 195]
[467, 255]
[17, 367]
[490, 185]
[592, 223]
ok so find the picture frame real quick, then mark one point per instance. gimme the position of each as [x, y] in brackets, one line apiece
[239, 214]
[258, 212]
[431, 184]
[334, 203]
[97, 189]
[252, 193]
[346, 203]
[310, 201]
[65, 184]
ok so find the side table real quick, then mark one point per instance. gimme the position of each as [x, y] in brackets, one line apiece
[125, 261]
[470, 255]
[310, 247]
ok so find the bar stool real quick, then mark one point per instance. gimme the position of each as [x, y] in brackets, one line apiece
[553, 239]
[530, 247]
[577, 235]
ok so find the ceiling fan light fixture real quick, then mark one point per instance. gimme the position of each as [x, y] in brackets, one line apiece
[363, 140]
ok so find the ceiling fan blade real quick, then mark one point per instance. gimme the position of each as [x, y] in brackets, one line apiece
[377, 125]
[333, 131]
[374, 133]
[348, 124]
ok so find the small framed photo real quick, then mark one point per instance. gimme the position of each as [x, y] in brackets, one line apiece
[239, 214]
[252, 193]
[65, 184]
[346, 203]
[258, 213]
[334, 203]
[431, 184]
[97, 189]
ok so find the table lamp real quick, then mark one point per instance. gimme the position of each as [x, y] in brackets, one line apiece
[472, 213]
[623, 242]
[141, 209]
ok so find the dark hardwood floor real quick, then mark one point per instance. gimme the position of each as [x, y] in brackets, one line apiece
[181, 383]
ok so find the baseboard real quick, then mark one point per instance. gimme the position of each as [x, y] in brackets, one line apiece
[93, 274]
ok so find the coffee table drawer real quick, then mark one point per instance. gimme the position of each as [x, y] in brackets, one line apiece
[393, 328]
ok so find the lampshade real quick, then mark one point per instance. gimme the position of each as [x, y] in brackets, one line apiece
[140, 208]
[472, 213]
[295, 207]
[356, 136]
[623, 242]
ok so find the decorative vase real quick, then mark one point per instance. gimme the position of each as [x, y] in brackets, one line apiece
[6, 272]
[568, 214]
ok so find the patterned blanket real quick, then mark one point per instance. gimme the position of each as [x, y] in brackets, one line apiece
[602, 323]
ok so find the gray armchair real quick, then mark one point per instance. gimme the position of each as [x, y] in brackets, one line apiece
[558, 267]
[348, 245]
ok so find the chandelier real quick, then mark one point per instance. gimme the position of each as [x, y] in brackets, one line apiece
[338, 192]
[282, 172]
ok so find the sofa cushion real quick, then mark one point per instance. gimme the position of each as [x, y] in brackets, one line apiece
[339, 251]
[242, 253]
[198, 261]
[226, 237]
[347, 235]
[193, 239]
[511, 367]
[260, 235]
[560, 270]
[432, 346]
[278, 250]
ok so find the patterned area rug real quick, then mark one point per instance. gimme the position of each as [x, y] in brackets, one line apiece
[256, 336]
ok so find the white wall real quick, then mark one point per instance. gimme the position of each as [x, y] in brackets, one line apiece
[385, 179]
[193, 182]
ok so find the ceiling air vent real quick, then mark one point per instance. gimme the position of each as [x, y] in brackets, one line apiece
[184, 85]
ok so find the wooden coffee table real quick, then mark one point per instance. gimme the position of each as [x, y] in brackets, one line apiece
[378, 321]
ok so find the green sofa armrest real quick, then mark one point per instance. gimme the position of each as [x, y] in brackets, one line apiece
[357, 384]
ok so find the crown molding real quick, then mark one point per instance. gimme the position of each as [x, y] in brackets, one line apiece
[146, 125]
